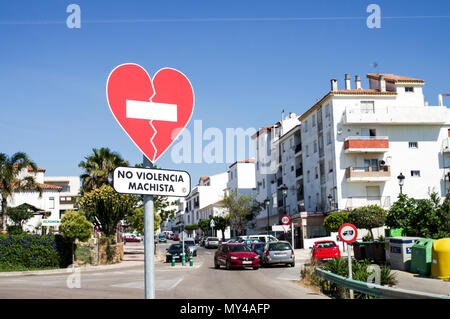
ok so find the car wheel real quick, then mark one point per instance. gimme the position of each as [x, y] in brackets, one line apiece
[216, 264]
[293, 264]
[228, 265]
[167, 260]
[195, 254]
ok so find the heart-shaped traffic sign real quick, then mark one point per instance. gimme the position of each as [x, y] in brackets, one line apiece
[153, 112]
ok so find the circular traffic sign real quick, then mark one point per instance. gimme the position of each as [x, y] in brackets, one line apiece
[285, 220]
[348, 233]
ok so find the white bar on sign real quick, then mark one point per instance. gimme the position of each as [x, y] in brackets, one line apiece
[151, 111]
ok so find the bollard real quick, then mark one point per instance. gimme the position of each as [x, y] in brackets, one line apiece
[191, 260]
[183, 259]
[173, 260]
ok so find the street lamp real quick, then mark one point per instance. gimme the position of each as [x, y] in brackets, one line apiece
[401, 181]
[330, 199]
[266, 203]
[284, 190]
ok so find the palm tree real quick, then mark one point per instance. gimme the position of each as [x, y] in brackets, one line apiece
[99, 168]
[10, 181]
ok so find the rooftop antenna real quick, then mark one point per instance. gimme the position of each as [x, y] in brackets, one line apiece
[282, 115]
[375, 66]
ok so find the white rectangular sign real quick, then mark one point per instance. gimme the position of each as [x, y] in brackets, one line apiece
[280, 227]
[51, 222]
[150, 181]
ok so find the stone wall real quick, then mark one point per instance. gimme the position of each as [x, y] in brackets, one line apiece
[93, 253]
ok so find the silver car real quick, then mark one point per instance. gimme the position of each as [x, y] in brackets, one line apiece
[212, 242]
[192, 246]
[278, 252]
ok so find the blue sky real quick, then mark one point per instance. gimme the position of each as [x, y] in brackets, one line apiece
[244, 72]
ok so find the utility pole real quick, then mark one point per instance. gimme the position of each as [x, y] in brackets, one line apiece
[149, 241]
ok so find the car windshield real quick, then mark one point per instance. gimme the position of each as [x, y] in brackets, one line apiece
[279, 246]
[326, 244]
[258, 246]
[213, 238]
[189, 242]
[237, 248]
[176, 247]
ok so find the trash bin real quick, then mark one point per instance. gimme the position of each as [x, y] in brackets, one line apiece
[363, 250]
[421, 256]
[400, 252]
[379, 255]
[393, 232]
[440, 258]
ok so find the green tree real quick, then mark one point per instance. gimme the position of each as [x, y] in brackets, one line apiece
[222, 222]
[105, 208]
[398, 215]
[203, 224]
[368, 217]
[20, 214]
[74, 225]
[241, 209]
[10, 181]
[99, 168]
[444, 218]
[333, 221]
[136, 220]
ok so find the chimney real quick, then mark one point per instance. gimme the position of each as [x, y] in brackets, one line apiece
[334, 85]
[358, 82]
[282, 115]
[440, 101]
[382, 83]
[347, 82]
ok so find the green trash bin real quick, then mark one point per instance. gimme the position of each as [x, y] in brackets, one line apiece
[363, 250]
[379, 253]
[393, 232]
[421, 256]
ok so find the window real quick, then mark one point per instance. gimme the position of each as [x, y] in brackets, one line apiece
[368, 132]
[409, 89]
[316, 172]
[415, 173]
[328, 138]
[292, 168]
[413, 145]
[330, 166]
[264, 183]
[314, 120]
[327, 110]
[372, 163]
[307, 176]
[231, 174]
[315, 146]
[367, 107]
[51, 203]
[307, 150]
[306, 125]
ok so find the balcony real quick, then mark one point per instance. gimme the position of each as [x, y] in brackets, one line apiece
[359, 201]
[368, 174]
[298, 148]
[397, 115]
[366, 144]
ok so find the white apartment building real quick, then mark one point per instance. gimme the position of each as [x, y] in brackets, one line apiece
[46, 206]
[210, 190]
[269, 172]
[241, 177]
[70, 189]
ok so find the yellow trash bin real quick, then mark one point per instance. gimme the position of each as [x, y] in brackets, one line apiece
[440, 258]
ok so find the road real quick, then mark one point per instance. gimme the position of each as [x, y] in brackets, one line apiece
[199, 282]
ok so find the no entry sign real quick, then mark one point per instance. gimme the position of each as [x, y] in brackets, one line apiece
[148, 181]
[348, 233]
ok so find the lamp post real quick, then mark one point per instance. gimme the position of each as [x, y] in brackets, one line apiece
[284, 190]
[401, 181]
[330, 199]
[266, 203]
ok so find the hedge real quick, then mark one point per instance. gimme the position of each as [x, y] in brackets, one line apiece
[27, 251]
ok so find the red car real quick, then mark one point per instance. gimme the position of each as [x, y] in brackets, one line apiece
[235, 255]
[325, 250]
[176, 237]
[131, 238]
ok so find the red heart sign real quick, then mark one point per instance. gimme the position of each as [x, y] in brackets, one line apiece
[152, 112]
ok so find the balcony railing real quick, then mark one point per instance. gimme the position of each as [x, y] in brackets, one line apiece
[298, 148]
[359, 201]
[356, 144]
[369, 173]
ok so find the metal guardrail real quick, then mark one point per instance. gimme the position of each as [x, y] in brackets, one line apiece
[377, 290]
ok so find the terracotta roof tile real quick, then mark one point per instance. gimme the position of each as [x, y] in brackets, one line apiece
[394, 78]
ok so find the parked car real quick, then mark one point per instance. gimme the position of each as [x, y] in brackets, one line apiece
[176, 237]
[177, 250]
[258, 247]
[127, 237]
[249, 241]
[325, 250]
[235, 255]
[212, 242]
[162, 238]
[263, 238]
[197, 239]
[191, 245]
[278, 252]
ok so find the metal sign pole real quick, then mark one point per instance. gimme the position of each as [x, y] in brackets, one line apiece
[149, 241]
[292, 233]
[350, 275]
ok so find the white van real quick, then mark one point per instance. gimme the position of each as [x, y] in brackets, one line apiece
[263, 238]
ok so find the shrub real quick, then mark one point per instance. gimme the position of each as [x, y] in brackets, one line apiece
[333, 221]
[26, 251]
